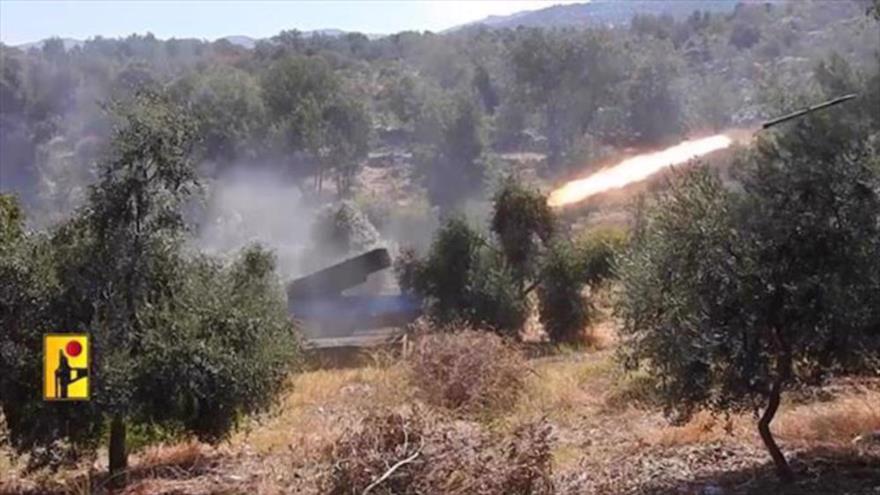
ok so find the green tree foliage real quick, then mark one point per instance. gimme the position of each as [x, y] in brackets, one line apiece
[563, 310]
[229, 108]
[416, 103]
[495, 298]
[874, 9]
[462, 279]
[177, 342]
[221, 348]
[654, 109]
[293, 89]
[485, 89]
[539, 90]
[539, 63]
[732, 297]
[487, 283]
[744, 35]
[566, 76]
[11, 220]
[522, 222]
[456, 169]
[836, 77]
[443, 276]
[566, 270]
[309, 112]
[346, 140]
[598, 249]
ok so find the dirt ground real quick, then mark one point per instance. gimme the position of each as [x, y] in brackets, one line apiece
[604, 442]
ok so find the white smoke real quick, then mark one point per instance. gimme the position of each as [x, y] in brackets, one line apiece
[246, 206]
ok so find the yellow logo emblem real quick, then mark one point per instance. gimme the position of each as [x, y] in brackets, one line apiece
[66, 366]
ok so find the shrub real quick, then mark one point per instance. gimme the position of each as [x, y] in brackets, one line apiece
[462, 279]
[496, 301]
[442, 277]
[597, 248]
[467, 371]
[563, 310]
[406, 453]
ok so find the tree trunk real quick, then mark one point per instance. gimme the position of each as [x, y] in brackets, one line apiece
[118, 456]
[783, 470]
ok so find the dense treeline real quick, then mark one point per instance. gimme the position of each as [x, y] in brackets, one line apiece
[314, 106]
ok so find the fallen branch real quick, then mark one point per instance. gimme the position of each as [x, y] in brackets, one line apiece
[391, 471]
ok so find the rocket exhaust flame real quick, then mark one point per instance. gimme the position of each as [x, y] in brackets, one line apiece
[636, 168]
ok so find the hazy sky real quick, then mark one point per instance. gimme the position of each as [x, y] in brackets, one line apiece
[23, 21]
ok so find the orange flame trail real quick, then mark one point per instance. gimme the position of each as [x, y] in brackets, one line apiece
[636, 168]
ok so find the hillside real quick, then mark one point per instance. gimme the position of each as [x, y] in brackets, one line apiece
[600, 13]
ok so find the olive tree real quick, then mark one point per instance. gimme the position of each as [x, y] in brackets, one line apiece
[731, 296]
[463, 278]
[181, 342]
[231, 117]
[345, 139]
[487, 281]
[309, 112]
[523, 222]
[456, 168]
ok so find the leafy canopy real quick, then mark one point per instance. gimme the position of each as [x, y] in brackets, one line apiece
[730, 296]
[178, 340]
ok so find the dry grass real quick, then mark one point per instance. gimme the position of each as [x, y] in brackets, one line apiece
[320, 404]
[190, 456]
[703, 428]
[468, 371]
[602, 441]
[560, 387]
[415, 452]
[833, 423]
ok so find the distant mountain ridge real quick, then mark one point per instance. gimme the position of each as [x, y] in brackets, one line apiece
[599, 12]
[69, 44]
[593, 13]
[239, 40]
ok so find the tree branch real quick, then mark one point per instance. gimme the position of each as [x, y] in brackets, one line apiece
[391, 471]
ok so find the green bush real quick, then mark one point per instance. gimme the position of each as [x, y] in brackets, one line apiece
[495, 298]
[463, 279]
[563, 309]
[597, 249]
[226, 331]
